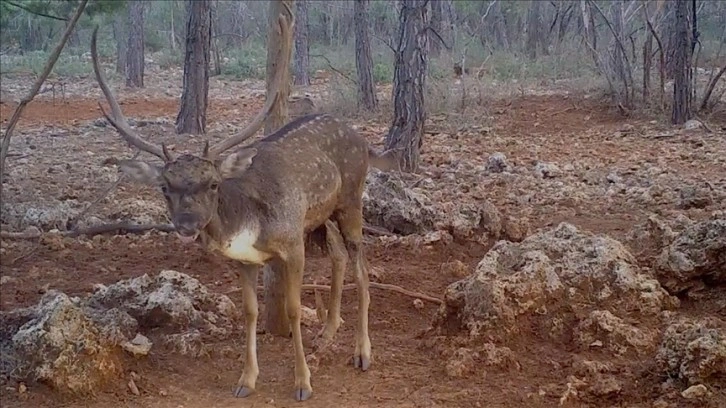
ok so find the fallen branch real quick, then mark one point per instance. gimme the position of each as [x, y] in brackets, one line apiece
[36, 87]
[330, 65]
[117, 228]
[382, 286]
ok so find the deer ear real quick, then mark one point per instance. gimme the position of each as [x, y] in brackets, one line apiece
[141, 172]
[236, 163]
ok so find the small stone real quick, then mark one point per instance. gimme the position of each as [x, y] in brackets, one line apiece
[695, 392]
[4, 280]
[455, 268]
[22, 388]
[497, 163]
[133, 388]
[692, 124]
[418, 304]
[613, 177]
[139, 346]
[546, 170]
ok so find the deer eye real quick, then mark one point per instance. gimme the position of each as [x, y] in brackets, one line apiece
[165, 190]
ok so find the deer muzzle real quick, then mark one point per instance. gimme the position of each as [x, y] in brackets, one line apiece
[187, 227]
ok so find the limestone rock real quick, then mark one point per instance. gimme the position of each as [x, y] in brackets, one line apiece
[171, 300]
[389, 203]
[553, 282]
[64, 348]
[694, 351]
[695, 256]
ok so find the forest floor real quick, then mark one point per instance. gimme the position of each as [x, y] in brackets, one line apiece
[61, 160]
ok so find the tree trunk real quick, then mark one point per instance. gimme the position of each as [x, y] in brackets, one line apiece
[302, 46]
[536, 40]
[276, 319]
[214, 44]
[135, 47]
[500, 26]
[437, 26]
[682, 66]
[363, 60]
[192, 117]
[647, 64]
[409, 84]
[121, 37]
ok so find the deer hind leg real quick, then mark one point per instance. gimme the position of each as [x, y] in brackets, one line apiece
[350, 221]
[294, 266]
[339, 260]
[246, 383]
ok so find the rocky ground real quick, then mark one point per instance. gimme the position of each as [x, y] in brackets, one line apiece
[580, 257]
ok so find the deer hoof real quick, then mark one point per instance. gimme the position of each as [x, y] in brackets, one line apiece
[302, 394]
[243, 392]
[364, 363]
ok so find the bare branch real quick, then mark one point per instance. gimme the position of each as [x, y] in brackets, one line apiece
[37, 13]
[710, 88]
[36, 87]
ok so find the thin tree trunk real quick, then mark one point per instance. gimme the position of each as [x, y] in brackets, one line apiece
[215, 42]
[172, 32]
[302, 45]
[121, 37]
[500, 26]
[135, 47]
[276, 319]
[534, 17]
[647, 64]
[409, 84]
[363, 60]
[682, 66]
[192, 117]
[437, 26]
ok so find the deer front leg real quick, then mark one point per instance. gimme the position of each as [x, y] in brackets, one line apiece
[294, 265]
[246, 383]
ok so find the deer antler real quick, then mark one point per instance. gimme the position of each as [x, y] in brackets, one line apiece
[259, 120]
[118, 120]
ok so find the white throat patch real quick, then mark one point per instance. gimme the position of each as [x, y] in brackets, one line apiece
[241, 248]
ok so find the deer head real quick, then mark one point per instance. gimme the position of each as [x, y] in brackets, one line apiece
[191, 184]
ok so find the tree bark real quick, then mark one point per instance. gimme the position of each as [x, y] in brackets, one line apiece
[135, 46]
[276, 319]
[409, 84]
[682, 66]
[302, 45]
[192, 117]
[363, 60]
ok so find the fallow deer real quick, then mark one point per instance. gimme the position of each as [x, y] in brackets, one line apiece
[258, 203]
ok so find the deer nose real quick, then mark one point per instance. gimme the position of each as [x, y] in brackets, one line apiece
[186, 224]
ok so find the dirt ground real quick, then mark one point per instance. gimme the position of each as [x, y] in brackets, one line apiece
[62, 155]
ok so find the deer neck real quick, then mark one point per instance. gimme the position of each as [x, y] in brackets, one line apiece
[235, 227]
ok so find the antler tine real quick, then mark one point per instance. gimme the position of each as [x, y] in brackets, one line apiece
[259, 119]
[117, 118]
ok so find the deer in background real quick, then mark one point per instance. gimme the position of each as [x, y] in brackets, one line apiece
[258, 203]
